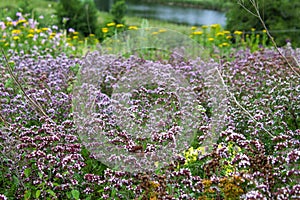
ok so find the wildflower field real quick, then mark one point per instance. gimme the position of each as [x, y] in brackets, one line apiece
[243, 118]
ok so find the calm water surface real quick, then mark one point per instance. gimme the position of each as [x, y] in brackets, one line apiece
[176, 14]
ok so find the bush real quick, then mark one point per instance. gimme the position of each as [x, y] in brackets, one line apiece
[118, 11]
[277, 15]
[81, 16]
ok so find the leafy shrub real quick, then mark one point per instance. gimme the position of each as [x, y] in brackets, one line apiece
[78, 15]
[278, 15]
[118, 11]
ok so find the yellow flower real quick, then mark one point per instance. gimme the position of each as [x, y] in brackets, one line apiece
[132, 27]
[51, 37]
[214, 26]
[53, 34]
[220, 34]
[31, 30]
[75, 37]
[226, 32]
[104, 30]
[38, 30]
[252, 29]
[111, 24]
[155, 33]
[44, 29]
[228, 37]
[30, 36]
[6, 44]
[162, 30]
[16, 38]
[225, 44]
[120, 25]
[238, 32]
[92, 35]
[16, 32]
[197, 33]
[68, 39]
[75, 33]
[81, 42]
[211, 39]
[22, 21]
[264, 31]
[9, 23]
[193, 27]
[204, 27]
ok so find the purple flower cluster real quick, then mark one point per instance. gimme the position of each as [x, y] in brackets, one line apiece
[255, 156]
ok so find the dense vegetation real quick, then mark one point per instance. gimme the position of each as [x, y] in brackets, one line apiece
[242, 111]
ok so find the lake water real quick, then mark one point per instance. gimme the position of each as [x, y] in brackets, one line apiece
[176, 14]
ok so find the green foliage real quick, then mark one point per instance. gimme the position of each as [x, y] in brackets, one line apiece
[280, 16]
[81, 16]
[118, 11]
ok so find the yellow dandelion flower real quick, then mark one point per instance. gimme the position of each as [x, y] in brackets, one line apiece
[264, 31]
[120, 25]
[53, 34]
[238, 32]
[9, 23]
[226, 32]
[111, 24]
[225, 44]
[51, 37]
[22, 21]
[92, 35]
[38, 30]
[45, 29]
[220, 34]
[211, 39]
[75, 37]
[68, 39]
[197, 33]
[228, 37]
[132, 27]
[104, 30]
[252, 29]
[31, 31]
[16, 38]
[30, 35]
[16, 31]
[75, 33]
[193, 27]
[70, 44]
[162, 30]
[214, 26]
[204, 27]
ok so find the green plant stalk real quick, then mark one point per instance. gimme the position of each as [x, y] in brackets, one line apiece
[35, 104]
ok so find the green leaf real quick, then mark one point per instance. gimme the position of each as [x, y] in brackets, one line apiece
[51, 192]
[27, 172]
[27, 194]
[40, 175]
[37, 193]
[75, 194]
